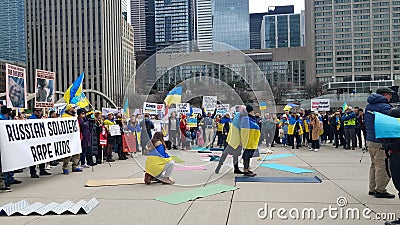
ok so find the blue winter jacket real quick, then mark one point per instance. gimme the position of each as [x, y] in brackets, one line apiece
[376, 103]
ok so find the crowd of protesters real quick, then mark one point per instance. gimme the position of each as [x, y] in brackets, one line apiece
[349, 128]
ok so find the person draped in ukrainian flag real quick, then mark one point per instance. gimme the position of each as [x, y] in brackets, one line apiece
[250, 135]
[159, 165]
[295, 130]
[233, 140]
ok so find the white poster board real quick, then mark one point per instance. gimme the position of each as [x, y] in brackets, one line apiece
[222, 108]
[45, 89]
[320, 105]
[24, 143]
[16, 87]
[150, 108]
[209, 103]
[183, 108]
[114, 130]
[106, 111]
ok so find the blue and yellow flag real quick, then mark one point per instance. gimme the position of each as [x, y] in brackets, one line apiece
[126, 108]
[344, 106]
[386, 126]
[75, 95]
[263, 105]
[174, 96]
[233, 138]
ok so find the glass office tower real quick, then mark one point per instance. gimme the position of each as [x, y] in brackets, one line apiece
[12, 35]
[231, 23]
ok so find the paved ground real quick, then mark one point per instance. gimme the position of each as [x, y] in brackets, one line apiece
[341, 171]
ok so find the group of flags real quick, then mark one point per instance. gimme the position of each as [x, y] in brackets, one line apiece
[385, 126]
[74, 95]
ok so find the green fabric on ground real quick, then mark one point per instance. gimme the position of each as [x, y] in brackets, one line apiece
[177, 159]
[193, 194]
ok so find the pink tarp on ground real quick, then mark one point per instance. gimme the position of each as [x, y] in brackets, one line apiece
[205, 155]
[186, 168]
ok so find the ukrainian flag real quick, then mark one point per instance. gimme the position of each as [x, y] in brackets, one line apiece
[386, 126]
[249, 133]
[126, 108]
[344, 106]
[174, 96]
[263, 105]
[75, 95]
[233, 138]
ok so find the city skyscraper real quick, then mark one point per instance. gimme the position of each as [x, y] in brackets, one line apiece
[12, 35]
[138, 21]
[128, 54]
[354, 40]
[73, 37]
[173, 22]
[231, 23]
[204, 25]
[256, 20]
[283, 31]
[126, 10]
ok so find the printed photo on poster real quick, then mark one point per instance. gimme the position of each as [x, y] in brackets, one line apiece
[44, 89]
[15, 87]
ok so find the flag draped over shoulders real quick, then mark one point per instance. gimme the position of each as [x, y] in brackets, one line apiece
[157, 159]
[233, 139]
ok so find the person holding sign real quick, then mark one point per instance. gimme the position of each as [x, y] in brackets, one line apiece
[159, 164]
[38, 114]
[6, 178]
[70, 111]
[208, 124]
[86, 139]
[110, 139]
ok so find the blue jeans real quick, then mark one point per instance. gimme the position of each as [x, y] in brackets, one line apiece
[285, 139]
[8, 177]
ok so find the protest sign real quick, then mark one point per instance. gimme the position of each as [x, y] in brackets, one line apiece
[160, 110]
[114, 130]
[44, 97]
[209, 103]
[129, 143]
[15, 87]
[222, 108]
[150, 108]
[31, 142]
[183, 108]
[192, 121]
[263, 105]
[197, 111]
[106, 111]
[320, 105]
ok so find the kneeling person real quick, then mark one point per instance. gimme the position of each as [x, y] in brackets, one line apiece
[159, 164]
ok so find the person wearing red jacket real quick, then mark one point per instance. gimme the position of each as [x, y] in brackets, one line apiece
[183, 129]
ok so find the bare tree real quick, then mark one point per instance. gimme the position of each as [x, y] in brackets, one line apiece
[280, 91]
[313, 90]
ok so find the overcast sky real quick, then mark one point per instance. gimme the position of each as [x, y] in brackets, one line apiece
[262, 5]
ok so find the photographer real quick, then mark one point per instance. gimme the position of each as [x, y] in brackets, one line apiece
[378, 176]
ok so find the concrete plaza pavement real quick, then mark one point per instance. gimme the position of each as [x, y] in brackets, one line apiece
[340, 170]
